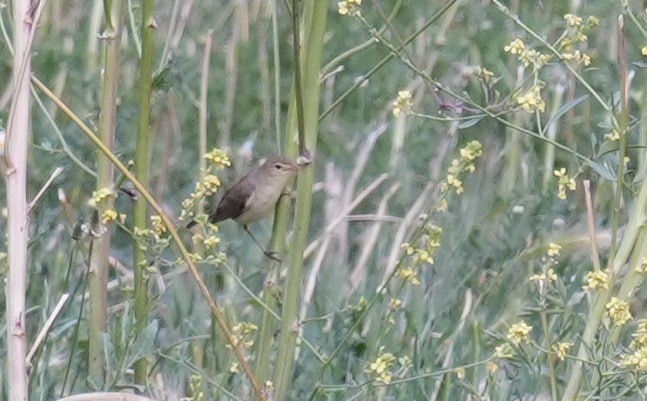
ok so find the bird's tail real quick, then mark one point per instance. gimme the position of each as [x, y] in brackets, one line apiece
[191, 224]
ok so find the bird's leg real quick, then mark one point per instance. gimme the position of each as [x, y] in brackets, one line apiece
[270, 255]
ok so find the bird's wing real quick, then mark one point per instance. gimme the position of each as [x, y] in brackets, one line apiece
[233, 203]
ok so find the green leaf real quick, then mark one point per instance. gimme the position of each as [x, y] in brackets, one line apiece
[143, 345]
[602, 170]
[470, 122]
[564, 109]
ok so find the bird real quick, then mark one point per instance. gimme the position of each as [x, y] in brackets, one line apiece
[254, 197]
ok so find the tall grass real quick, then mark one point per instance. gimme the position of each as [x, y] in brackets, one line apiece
[471, 225]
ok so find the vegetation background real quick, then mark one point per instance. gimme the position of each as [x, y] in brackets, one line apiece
[387, 307]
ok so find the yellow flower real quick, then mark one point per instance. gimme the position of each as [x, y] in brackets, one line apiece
[503, 351]
[519, 332]
[460, 373]
[531, 100]
[233, 368]
[100, 195]
[554, 249]
[492, 367]
[549, 276]
[218, 158]
[109, 215]
[573, 20]
[597, 280]
[613, 136]
[618, 311]
[407, 274]
[210, 184]
[424, 256]
[158, 225]
[636, 361]
[515, 47]
[561, 349]
[349, 7]
[564, 183]
[381, 367]
[643, 51]
[395, 304]
[486, 75]
[442, 206]
[642, 267]
[211, 241]
[403, 103]
[578, 57]
[640, 335]
[269, 386]
[408, 249]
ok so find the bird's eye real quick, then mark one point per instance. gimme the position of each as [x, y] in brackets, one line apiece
[277, 166]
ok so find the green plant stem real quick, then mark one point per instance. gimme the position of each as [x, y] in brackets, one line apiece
[616, 259]
[315, 14]
[142, 173]
[105, 171]
[277, 71]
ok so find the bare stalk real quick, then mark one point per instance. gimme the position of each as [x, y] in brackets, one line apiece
[16, 181]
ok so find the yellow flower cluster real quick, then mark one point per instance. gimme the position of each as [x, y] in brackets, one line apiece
[573, 20]
[547, 276]
[640, 335]
[109, 215]
[519, 332]
[484, 74]
[564, 183]
[527, 56]
[637, 360]
[461, 166]
[618, 311]
[561, 349]
[241, 333]
[613, 136]
[349, 7]
[503, 351]
[382, 366]
[554, 249]
[578, 57]
[430, 242]
[409, 275]
[403, 103]
[597, 280]
[100, 195]
[208, 185]
[218, 158]
[575, 34]
[158, 225]
[642, 267]
[531, 101]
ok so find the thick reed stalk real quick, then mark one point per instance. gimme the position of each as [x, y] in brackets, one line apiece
[142, 172]
[105, 171]
[16, 180]
[314, 18]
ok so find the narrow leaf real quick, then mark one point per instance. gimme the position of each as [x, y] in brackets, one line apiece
[564, 109]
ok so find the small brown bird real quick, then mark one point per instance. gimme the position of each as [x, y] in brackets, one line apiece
[255, 195]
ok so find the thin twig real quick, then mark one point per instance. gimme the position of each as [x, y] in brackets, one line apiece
[48, 324]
